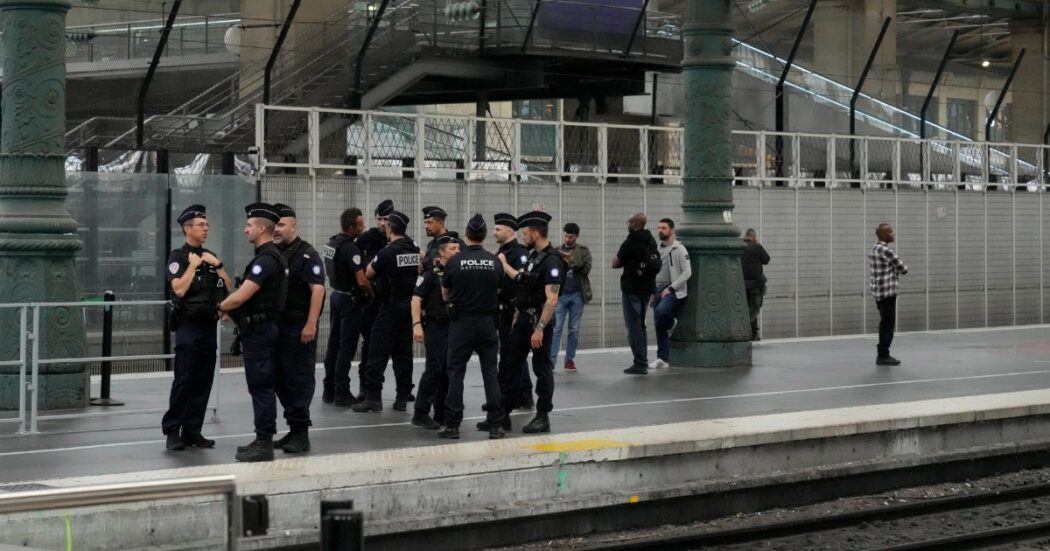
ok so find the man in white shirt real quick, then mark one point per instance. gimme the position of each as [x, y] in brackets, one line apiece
[670, 292]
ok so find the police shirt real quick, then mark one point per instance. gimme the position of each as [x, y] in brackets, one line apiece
[370, 243]
[431, 253]
[396, 267]
[517, 256]
[304, 269]
[472, 278]
[207, 279]
[428, 288]
[266, 271]
[551, 271]
[343, 259]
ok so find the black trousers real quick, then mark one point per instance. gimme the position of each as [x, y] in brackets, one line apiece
[887, 323]
[469, 334]
[294, 379]
[347, 326]
[505, 323]
[369, 313]
[433, 384]
[391, 340]
[754, 306]
[194, 373]
[510, 373]
[259, 372]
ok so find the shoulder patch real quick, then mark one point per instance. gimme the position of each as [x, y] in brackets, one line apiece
[357, 259]
[524, 258]
[173, 268]
[317, 270]
[419, 281]
[554, 272]
[257, 269]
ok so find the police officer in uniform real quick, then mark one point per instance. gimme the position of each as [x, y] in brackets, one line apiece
[199, 282]
[296, 353]
[351, 294]
[471, 285]
[256, 308]
[370, 243]
[434, 225]
[430, 318]
[505, 230]
[538, 287]
[394, 269]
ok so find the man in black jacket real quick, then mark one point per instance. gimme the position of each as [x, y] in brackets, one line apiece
[751, 261]
[635, 257]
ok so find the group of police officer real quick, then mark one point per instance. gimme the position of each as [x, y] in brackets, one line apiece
[456, 298]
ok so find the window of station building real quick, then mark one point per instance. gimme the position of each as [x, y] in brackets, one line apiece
[535, 109]
[962, 116]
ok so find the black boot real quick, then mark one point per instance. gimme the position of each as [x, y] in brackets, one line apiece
[451, 433]
[298, 442]
[328, 395]
[495, 433]
[261, 449]
[346, 400]
[278, 444]
[372, 402]
[538, 424]
[198, 441]
[400, 403]
[174, 443]
[486, 426]
[526, 402]
[423, 421]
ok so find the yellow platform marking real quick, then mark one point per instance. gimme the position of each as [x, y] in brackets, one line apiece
[578, 445]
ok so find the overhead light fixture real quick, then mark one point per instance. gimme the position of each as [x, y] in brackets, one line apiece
[986, 63]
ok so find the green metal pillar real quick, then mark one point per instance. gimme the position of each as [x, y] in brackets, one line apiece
[37, 235]
[713, 328]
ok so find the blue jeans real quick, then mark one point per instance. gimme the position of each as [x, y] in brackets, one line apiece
[571, 304]
[663, 319]
[634, 307]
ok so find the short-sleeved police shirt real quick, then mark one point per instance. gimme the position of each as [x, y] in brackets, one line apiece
[262, 266]
[552, 270]
[309, 268]
[472, 278]
[179, 260]
[397, 266]
[425, 283]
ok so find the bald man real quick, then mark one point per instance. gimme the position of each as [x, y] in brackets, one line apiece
[639, 258]
[886, 269]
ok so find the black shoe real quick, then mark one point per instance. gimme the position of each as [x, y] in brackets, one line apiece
[439, 418]
[174, 442]
[423, 421]
[259, 450]
[366, 406]
[451, 433]
[410, 398]
[400, 404]
[526, 403]
[328, 395]
[634, 370]
[484, 407]
[505, 424]
[495, 433]
[539, 424]
[346, 400]
[277, 444]
[198, 441]
[298, 442]
[887, 360]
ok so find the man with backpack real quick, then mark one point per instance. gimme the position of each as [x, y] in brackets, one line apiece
[639, 258]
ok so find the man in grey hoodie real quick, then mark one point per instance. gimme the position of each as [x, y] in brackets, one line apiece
[670, 292]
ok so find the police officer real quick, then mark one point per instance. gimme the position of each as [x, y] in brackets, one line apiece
[538, 287]
[370, 243]
[199, 282]
[430, 318]
[434, 225]
[471, 286]
[256, 307]
[505, 230]
[351, 294]
[296, 353]
[394, 270]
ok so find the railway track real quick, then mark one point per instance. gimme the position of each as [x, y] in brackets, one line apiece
[770, 532]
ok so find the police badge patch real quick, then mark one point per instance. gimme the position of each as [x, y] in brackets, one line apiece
[257, 269]
[554, 272]
[173, 268]
[317, 270]
[419, 281]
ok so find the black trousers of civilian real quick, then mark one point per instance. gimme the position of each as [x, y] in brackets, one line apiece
[887, 323]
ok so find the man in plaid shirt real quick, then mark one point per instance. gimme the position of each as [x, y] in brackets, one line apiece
[886, 267]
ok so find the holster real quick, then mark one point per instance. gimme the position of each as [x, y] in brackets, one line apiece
[174, 316]
[235, 348]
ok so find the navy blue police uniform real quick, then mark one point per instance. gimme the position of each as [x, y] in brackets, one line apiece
[194, 318]
[516, 255]
[257, 325]
[543, 267]
[396, 268]
[343, 259]
[433, 383]
[296, 362]
[431, 251]
[472, 278]
[370, 243]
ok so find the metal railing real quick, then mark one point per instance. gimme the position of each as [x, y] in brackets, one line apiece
[191, 35]
[30, 360]
[130, 492]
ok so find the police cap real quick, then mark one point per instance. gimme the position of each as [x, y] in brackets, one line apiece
[534, 219]
[262, 210]
[398, 221]
[506, 219]
[476, 224]
[284, 210]
[434, 212]
[191, 212]
[446, 239]
[385, 208]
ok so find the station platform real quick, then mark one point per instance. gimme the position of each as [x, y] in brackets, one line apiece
[644, 436]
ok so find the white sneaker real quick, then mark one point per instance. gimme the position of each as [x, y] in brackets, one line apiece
[658, 364]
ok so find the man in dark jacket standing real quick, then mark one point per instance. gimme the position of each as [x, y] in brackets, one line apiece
[636, 258]
[751, 261]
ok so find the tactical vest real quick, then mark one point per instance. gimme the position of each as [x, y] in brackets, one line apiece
[297, 302]
[202, 299]
[269, 300]
[529, 292]
[398, 282]
[339, 277]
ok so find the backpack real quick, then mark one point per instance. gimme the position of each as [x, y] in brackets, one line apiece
[651, 264]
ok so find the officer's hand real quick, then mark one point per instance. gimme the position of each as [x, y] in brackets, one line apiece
[210, 259]
[309, 334]
[537, 339]
[502, 258]
[417, 333]
[195, 260]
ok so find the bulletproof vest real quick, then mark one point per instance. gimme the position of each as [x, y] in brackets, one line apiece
[297, 302]
[433, 305]
[270, 299]
[529, 292]
[203, 296]
[400, 280]
[339, 277]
